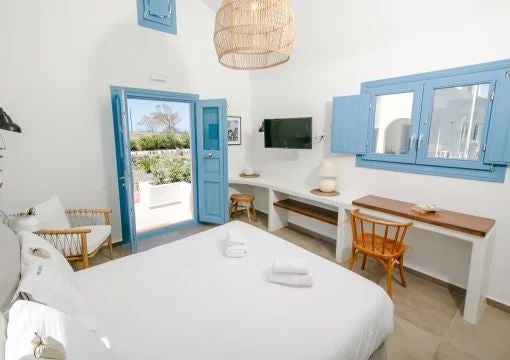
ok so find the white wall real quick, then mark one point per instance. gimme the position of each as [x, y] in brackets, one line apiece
[341, 44]
[57, 61]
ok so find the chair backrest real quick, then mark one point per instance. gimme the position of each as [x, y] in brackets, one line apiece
[378, 236]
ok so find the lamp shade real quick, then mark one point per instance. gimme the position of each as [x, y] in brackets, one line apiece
[327, 169]
[6, 122]
[254, 34]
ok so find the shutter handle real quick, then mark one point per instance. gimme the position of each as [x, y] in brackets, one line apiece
[209, 155]
[420, 139]
[411, 141]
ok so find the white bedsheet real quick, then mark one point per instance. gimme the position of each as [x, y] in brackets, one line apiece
[185, 300]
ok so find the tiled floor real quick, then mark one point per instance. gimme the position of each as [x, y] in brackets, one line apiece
[428, 321]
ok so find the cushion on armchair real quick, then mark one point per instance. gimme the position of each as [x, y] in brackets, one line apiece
[97, 235]
[52, 215]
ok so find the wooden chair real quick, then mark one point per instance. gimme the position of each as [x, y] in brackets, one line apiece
[90, 232]
[386, 245]
[240, 202]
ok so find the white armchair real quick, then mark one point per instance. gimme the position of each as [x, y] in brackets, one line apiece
[79, 234]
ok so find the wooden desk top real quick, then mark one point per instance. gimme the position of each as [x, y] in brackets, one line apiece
[453, 220]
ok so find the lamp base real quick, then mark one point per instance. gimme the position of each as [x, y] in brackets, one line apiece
[320, 193]
[327, 185]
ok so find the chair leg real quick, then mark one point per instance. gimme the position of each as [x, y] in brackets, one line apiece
[401, 265]
[110, 247]
[230, 213]
[254, 211]
[84, 253]
[353, 258]
[364, 262]
[248, 212]
[389, 273]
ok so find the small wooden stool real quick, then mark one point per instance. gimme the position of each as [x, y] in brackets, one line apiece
[247, 200]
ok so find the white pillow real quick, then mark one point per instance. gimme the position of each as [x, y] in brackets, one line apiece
[52, 214]
[52, 281]
[2, 336]
[27, 317]
[57, 261]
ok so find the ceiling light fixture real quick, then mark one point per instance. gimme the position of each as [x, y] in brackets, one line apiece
[254, 34]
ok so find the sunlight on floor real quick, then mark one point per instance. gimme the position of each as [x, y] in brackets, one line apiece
[153, 218]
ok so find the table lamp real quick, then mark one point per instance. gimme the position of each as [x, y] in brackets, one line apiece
[327, 172]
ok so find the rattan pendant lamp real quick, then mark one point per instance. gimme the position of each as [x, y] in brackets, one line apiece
[254, 34]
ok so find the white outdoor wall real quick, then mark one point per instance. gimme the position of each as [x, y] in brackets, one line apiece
[57, 61]
[343, 43]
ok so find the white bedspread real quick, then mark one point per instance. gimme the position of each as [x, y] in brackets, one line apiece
[185, 300]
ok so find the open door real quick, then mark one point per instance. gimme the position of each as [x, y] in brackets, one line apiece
[212, 161]
[124, 174]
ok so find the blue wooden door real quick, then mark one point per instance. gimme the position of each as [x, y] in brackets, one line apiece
[124, 172]
[212, 161]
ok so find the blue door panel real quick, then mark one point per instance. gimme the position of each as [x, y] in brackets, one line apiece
[124, 175]
[212, 161]
[498, 143]
[349, 124]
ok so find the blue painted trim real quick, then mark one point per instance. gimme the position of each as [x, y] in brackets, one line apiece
[163, 230]
[168, 25]
[483, 175]
[426, 118]
[494, 65]
[441, 167]
[417, 89]
[156, 94]
[135, 93]
[119, 150]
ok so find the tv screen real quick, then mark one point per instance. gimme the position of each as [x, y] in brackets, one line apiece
[295, 133]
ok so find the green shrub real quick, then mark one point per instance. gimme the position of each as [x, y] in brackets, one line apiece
[164, 172]
[179, 171]
[146, 163]
[161, 141]
[134, 144]
[160, 174]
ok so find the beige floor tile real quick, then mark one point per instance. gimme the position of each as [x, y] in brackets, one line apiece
[447, 351]
[410, 342]
[489, 339]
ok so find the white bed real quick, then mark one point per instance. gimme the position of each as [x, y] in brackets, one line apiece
[185, 300]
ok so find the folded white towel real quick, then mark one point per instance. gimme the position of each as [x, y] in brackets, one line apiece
[235, 237]
[236, 251]
[290, 265]
[301, 280]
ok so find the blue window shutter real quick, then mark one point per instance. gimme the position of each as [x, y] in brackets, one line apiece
[158, 15]
[350, 124]
[498, 139]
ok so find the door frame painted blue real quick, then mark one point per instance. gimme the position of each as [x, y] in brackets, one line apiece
[147, 94]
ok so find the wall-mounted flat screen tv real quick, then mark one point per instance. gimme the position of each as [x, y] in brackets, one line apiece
[294, 133]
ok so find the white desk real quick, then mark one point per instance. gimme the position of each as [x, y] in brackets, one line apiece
[481, 247]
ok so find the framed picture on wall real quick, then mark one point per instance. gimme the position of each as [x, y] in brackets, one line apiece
[234, 130]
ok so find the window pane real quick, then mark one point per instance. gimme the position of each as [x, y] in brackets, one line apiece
[211, 128]
[392, 123]
[458, 116]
